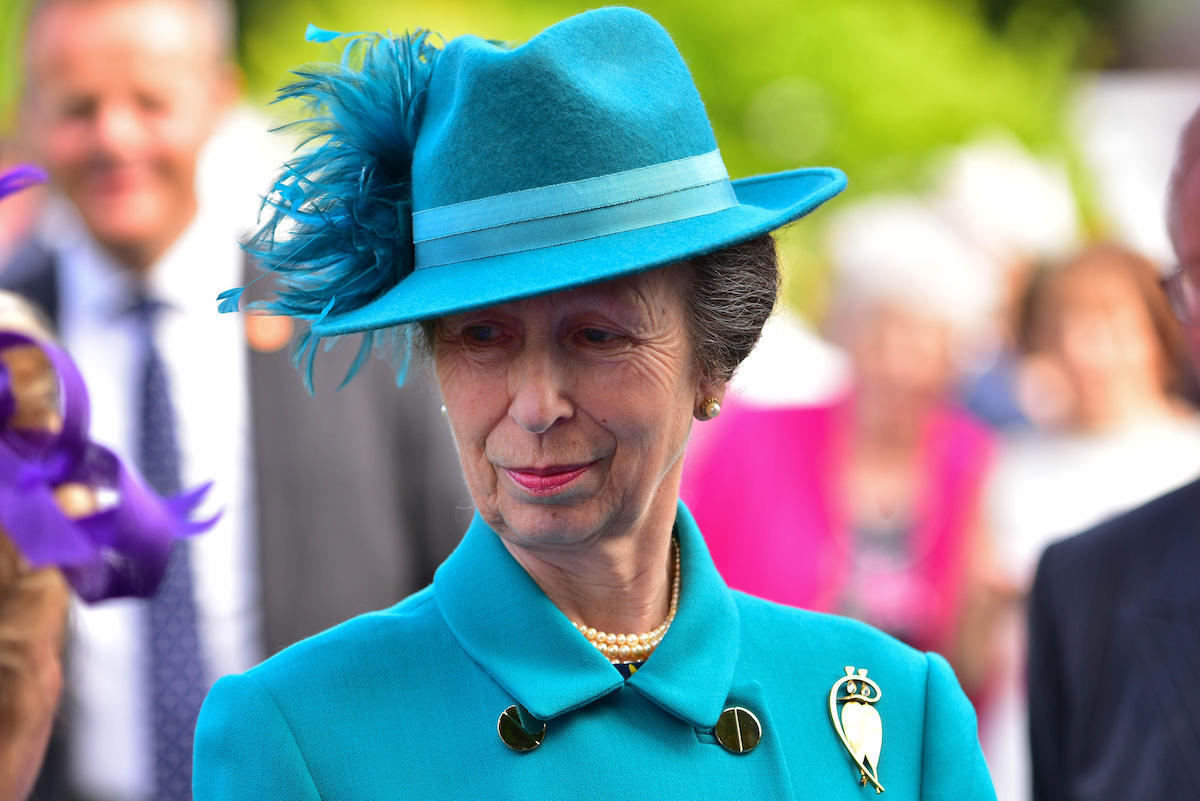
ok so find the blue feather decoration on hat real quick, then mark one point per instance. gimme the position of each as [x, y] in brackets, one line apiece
[336, 228]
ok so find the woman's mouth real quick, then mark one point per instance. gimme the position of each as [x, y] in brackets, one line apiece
[546, 480]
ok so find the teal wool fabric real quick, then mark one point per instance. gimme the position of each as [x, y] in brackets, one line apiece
[403, 703]
[436, 180]
[598, 95]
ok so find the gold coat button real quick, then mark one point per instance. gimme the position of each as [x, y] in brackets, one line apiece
[519, 730]
[738, 730]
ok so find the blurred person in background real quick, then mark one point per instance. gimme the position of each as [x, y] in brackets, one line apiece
[330, 507]
[769, 376]
[867, 506]
[33, 602]
[1020, 210]
[33, 630]
[1110, 363]
[1101, 343]
[1114, 643]
[68, 509]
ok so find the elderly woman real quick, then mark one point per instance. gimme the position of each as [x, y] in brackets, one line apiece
[586, 278]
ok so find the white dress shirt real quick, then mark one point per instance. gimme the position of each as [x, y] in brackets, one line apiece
[205, 358]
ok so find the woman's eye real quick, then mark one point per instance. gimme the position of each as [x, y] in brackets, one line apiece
[481, 333]
[597, 336]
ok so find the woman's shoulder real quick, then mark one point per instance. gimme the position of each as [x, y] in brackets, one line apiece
[356, 647]
[786, 637]
[259, 731]
[769, 619]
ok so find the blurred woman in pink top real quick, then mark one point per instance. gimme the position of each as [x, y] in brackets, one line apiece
[868, 505]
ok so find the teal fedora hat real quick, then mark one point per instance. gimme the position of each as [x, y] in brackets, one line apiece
[479, 173]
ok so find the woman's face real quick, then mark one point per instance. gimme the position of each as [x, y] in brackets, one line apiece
[571, 410]
[1102, 334]
[902, 359]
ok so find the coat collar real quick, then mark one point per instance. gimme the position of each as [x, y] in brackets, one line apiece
[515, 633]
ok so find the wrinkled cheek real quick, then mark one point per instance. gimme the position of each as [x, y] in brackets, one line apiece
[453, 377]
[655, 453]
[478, 471]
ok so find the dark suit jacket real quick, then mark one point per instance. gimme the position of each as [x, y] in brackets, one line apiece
[1114, 658]
[359, 492]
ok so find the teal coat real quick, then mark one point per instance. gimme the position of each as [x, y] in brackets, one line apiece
[404, 703]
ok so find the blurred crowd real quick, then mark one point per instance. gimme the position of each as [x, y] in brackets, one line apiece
[1001, 381]
[987, 377]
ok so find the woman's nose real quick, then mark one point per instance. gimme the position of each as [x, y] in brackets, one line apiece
[538, 390]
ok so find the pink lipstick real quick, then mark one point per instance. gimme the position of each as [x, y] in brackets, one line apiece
[545, 480]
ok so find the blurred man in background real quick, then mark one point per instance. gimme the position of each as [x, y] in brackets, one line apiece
[33, 618]
[1114, 631]
[121, 99]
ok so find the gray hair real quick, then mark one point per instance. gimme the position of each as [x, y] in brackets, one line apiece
[727, 302]
[728, 299]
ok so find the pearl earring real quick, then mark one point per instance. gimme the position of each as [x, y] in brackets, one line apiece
[710, 409]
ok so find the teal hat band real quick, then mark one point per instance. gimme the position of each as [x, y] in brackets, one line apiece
[573, 211]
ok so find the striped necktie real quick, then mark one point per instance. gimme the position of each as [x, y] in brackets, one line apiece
[174, 657]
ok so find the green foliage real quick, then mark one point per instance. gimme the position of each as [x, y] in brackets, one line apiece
[874, 86]
[12, 17]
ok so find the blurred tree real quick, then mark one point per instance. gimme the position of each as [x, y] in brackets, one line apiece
[1109, 42]
[875, 86]
[12, 16]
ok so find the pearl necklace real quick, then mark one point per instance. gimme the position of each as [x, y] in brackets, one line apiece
[634, 647]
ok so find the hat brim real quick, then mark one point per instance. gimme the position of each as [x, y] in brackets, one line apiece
[765, 202]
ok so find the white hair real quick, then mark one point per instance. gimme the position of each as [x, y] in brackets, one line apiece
[1014, 206]
[896, 250]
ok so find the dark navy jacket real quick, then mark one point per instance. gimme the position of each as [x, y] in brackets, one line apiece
[1114, 670]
